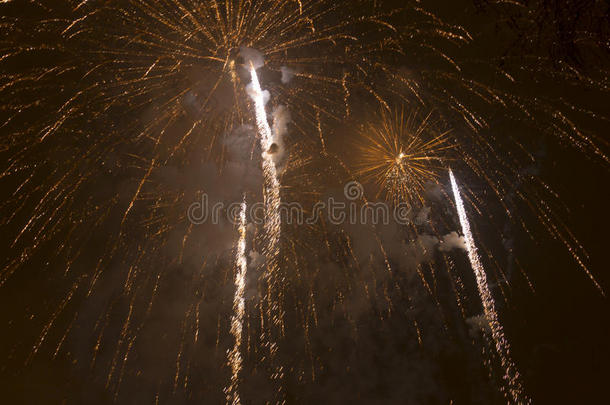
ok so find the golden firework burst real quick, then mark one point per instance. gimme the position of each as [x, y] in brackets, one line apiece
[401, 153]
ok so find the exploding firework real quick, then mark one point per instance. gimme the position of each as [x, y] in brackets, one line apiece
[145, 93]
[119, 116]
[402, 154]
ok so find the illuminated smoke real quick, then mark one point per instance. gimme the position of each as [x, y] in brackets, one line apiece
[511, 376]
[237, 319]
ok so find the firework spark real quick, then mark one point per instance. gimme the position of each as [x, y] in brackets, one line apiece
[272, 215]
[512, 376]
[237, 319]
[120, 114]
[401, 154]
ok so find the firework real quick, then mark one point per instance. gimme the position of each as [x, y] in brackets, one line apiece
[120, 115]
[237, 319]
[401, 154]
[512, 377]
[272, 211]
[136, 89]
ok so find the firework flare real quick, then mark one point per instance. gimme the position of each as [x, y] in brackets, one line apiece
[512, 377]
[237, 319]
[272, 215]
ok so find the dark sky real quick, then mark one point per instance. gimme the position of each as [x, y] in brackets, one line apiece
[109, 295]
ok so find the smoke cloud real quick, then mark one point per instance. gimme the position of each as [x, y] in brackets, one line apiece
[287, 74]
[452, 241]
[281, 119]
[252, 56]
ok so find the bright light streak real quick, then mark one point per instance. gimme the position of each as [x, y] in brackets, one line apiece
[272, 225]
[511, 375]
[272, 184]
[261, 115]
[237, 319]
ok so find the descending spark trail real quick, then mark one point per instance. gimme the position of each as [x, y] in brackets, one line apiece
[272, 214]
[261, 115]
[237, 320]
[272, 232]
[272, 184]
[511, 376]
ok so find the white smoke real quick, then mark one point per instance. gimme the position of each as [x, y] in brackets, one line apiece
[421, 250]
[287, 74]
[423, 217]
[281, 119]
[256, 259]
[252, 93]
[252, 57]
[452, 241]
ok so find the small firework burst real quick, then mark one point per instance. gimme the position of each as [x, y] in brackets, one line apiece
[401, 153]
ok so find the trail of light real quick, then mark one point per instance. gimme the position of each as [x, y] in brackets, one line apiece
[272, 184]
[237, 319]
[272, 217]
[261, 114]
[511, 375]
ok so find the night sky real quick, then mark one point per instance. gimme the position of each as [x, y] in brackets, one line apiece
[118, 116]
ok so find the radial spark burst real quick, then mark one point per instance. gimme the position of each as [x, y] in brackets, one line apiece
[401, 153]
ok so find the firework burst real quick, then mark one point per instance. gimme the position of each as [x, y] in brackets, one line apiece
[401, 154]
[120, 115]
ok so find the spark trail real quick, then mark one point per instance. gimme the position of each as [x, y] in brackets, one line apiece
[511, 375]
[272, 184]
[237, 320]
[272, 225]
